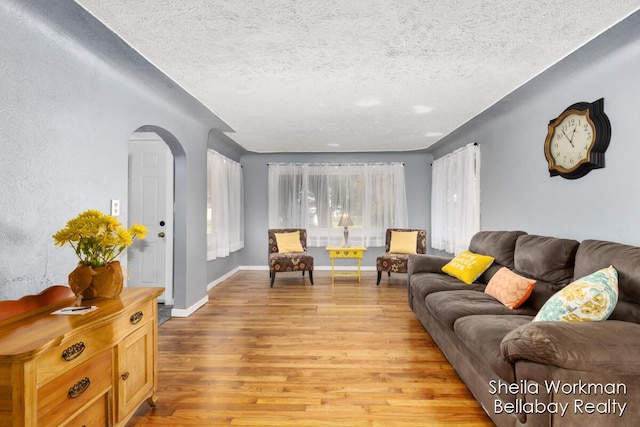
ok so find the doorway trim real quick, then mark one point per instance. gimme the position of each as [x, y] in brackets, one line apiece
[179, 213]
[162, 267]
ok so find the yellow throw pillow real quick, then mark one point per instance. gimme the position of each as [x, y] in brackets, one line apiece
[403, 242]
[289, 242]
[467, 266]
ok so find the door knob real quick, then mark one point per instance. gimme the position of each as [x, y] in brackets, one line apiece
[161, 234]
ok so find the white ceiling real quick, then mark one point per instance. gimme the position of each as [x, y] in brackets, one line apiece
[363, 75]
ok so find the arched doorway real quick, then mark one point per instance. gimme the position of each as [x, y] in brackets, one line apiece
[184, 268]
[150, 203]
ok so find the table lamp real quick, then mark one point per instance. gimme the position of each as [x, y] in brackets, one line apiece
[345, 221]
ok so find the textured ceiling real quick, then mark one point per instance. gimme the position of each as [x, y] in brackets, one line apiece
[364, 75]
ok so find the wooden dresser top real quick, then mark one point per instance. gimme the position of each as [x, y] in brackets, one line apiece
[28, 336]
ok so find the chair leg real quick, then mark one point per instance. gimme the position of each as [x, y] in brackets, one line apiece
[389, 273]
[273, 278]
[302, 273]
[310, 277]
[379, 277]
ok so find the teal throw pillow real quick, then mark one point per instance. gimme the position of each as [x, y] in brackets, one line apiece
[591, 298]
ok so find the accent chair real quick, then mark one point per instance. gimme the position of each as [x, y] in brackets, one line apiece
[396, 253]
[288, 252]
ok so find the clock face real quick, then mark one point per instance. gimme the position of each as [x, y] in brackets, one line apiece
[573, 136]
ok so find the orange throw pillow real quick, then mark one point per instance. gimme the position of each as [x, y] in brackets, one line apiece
[510, 288]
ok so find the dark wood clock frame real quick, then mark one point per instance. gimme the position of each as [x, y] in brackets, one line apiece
[599, 145]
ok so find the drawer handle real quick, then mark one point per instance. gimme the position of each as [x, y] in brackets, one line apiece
[125, 376]
[136, 317]
[73, 351]
[79, 388]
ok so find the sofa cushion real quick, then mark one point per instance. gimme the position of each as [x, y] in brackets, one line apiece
[449, 306]
[610, 346]
[597, 254]
[546, 258]
[426, 263]
[423, 284]
[541, 292]
[482, 335]
[467, 266]
[510, 288]
[591, 298]
[594, 255]
[498, 244]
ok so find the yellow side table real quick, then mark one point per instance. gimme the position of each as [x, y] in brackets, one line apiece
[352, 252]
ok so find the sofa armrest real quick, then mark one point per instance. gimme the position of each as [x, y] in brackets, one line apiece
[420, 263]
[607, 347]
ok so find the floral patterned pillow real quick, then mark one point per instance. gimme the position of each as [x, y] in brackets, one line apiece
[591, 298]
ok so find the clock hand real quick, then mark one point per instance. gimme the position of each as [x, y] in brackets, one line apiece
[568, 139]
[573, 134]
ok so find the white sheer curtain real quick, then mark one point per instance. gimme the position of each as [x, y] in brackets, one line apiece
[225, 216]
[314, 196]
[455, 199]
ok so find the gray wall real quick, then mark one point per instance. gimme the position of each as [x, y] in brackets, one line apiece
[516, 189]
[418, 184]
[71, 95]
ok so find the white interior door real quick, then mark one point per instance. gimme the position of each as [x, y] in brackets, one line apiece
[150, 261]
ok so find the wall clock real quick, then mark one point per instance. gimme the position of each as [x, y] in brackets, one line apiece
[577, 140]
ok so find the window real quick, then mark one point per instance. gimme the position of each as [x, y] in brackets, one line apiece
[314, 196]
[455, 199]
[225, 216]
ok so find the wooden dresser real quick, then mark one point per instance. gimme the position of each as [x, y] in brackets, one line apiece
[80, 370]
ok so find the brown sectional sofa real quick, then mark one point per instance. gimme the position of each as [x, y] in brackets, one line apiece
[537, 373]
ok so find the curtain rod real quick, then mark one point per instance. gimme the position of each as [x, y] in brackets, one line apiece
[211, 150]
[333, 164]
[475, 144]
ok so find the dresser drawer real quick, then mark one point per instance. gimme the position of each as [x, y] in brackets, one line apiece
[96, 414]
[72, 352]
[63, 396]
[134, 317]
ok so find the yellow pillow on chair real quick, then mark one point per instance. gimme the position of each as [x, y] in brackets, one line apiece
[403, 242]
[289, 242]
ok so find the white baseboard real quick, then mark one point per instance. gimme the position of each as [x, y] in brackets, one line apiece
[186, 312]
[317, 267]
[222, 278]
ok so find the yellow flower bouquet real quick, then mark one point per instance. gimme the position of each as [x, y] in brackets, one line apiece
[97, 240]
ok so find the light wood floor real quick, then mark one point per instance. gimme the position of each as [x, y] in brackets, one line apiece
[302, 355]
